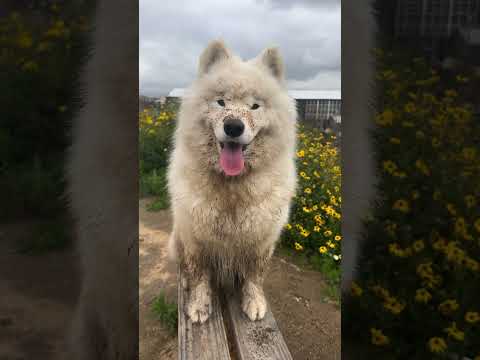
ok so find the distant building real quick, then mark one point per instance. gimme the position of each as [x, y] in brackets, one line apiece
[432, 24]
[161, 100]
[317, 107]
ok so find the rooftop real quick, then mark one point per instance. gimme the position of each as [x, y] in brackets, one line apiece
[296, 94]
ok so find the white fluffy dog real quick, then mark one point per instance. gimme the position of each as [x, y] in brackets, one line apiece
[232, 175]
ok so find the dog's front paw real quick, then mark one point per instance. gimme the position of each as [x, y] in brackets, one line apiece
[254, 304]
[199, 306]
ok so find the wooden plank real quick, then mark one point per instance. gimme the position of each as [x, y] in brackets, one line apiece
[207, 341]
[255, 340]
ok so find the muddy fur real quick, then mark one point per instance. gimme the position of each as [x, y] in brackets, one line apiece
[225, 228]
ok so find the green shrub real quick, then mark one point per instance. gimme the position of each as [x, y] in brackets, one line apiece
[156, 128]
[166, 312]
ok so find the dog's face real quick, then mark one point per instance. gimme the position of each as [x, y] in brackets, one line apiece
[237, 115]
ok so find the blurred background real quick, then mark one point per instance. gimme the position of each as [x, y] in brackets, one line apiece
[43, 45]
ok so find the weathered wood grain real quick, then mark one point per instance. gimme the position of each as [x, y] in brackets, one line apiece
[207, 341]
[255, 340]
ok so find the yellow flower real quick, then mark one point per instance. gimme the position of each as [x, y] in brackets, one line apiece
[378, 338]
[380, 291]
[330, 244]
[472, 317]
[356, 290]
[460, 225]
[401, 205]
[322, 249]
[409, 107]
[451, 209]
[301, 153]
[288, 226]
[418, 245]
[316, 228]
[476, 224]
[472, 264]
[470, 201]
[318, 219]
[422, 296]
[389, 166]
[420, 164]
[327, 233]
[392, 305]
[307, 191]
[437, 345]
[298, 246]
[338, 238]
[385, 118]
[448, 306]
[30, 66]
[305, 233]
[454, 332]
[425, 270]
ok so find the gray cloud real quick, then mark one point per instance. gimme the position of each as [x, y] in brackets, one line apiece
[173, 34]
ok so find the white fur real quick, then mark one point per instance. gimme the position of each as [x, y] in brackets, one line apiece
[228, 227]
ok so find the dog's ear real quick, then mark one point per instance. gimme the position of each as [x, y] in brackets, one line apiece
[272, 60]
[215, 52]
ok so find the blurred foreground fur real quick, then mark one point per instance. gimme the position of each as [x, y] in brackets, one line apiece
[358, 183]
[103, 190]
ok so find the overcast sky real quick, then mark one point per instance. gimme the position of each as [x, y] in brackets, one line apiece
[174, 33]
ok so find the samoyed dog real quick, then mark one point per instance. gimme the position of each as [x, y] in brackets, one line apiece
[231, 176]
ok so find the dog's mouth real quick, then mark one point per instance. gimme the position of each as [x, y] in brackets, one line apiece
[232, 160]
[233, 144]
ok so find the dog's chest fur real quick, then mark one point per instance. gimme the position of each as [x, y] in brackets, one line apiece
[234, 214]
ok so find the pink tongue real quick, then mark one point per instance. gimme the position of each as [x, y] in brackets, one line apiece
[231, 159]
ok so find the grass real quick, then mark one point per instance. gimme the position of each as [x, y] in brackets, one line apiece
[159, 203]
[166, 312]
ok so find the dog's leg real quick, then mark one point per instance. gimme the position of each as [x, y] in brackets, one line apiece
[254, 304]
[199, 304]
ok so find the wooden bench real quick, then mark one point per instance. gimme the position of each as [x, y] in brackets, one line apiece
[228, 333]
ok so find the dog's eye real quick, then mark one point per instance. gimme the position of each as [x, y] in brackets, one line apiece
[221, 102]
[255, 106]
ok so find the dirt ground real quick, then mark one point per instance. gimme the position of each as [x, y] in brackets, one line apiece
[38, 293]
[309, 323]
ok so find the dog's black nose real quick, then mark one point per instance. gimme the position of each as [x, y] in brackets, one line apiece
[233, 127]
